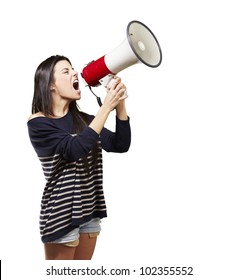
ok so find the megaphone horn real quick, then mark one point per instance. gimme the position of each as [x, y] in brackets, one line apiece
[140, 45]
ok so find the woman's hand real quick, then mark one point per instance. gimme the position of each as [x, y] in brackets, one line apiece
[114, 99]
[115, 93]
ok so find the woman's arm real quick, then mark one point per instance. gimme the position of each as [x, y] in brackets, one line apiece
[118, 141]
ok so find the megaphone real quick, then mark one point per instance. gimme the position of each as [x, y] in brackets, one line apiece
[140, 45]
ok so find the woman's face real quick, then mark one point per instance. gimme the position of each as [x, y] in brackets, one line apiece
[66, 84]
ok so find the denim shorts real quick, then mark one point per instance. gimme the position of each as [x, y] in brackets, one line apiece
[92, 227]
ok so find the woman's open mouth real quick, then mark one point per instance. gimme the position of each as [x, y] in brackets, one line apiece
[76, 85]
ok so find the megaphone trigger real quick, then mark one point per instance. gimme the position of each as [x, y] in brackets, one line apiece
[107, 80]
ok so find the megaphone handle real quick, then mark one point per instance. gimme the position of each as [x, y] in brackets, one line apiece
[108, 81]
[105, 81]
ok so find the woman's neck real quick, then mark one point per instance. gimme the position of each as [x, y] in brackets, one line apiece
[60, 108]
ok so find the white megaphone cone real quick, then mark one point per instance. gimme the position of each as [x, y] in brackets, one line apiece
[140, 45]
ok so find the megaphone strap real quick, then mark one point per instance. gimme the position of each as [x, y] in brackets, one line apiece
[97, 97]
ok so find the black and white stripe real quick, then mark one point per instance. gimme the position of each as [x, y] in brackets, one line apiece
[72, 195]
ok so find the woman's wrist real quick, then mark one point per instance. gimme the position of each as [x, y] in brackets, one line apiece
[121, 112]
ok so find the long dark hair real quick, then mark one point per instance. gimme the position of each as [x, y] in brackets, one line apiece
[42, 99]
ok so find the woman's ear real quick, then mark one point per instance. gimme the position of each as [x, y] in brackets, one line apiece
[52, 87]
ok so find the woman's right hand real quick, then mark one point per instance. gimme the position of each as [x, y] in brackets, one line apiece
[115, 93]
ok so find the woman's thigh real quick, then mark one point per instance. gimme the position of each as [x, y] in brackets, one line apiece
[78, 244]
[55, 251]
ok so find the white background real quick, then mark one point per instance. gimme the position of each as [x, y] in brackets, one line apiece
[171, 199]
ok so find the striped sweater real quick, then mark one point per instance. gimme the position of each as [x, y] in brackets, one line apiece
[72, 195]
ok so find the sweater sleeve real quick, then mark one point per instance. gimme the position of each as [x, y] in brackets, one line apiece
[48, 139]
[118, 141]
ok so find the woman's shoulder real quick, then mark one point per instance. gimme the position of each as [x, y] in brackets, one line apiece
[36, 115]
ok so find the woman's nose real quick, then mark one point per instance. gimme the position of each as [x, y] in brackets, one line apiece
[75, 73]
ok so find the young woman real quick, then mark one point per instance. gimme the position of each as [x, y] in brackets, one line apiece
[69, 145]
